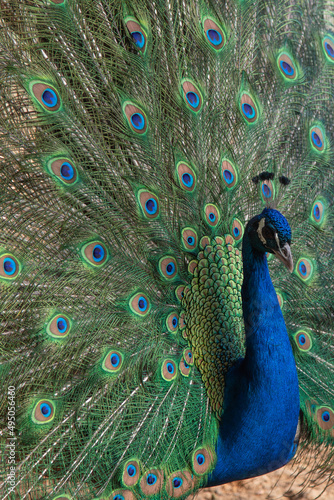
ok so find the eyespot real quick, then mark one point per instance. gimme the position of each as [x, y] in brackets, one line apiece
[267, 191]
[204, 241]
[137, 33]
[328, 46]
[43, 412]
[168, 267]
[149, 204]
[212, 216]
[325, 417]
[318, 212]
[189, 238]
[58, 326]
[172, 322]
[95, 253]
[46, 95]
[248, 108]
[151, 482]
[237, 230]
[179, 292]
[64, 170]
[168, 370]
[131, 473]
[186, 176]
[113, 361]
[287, 67]
[122, 495]
[191, 95]
[179, 483]
[214, 34]
[182, 323]
[9, 266]
[304, 269]
[303, 340]
[317, 139]
[184, 368]
[229, 174]
[136, 118]
[280, 299]
[140, 304]
[188, 356]
[202, 461]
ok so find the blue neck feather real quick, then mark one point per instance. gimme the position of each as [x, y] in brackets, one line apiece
[261, 400]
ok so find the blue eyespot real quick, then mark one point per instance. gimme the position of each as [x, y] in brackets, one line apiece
[187, 179]
[151, 206]
[316, 140]
[316, 212]
[49, 98]
[326, 416]
[151, 479]
[138, 121]
[248, 110]
[302, 339]
[61, 325]
[200, 459]
[329, 49]
[191, 240]
[66, 171]
[98, 253]
[193, 99]
[115, 360]
[177, 482]
[174, 321]
[190, 355]
[170, 268]
[266, 191]
[131, 470]
[228, 176]
[170, 368]
[236, 232]
[186, 364]
[118, 497]
[9, 266]
[286, 68]
[212, 216]
[214, 36]
[142, 304]
[302, 268]
[138, 39]
[45, 410]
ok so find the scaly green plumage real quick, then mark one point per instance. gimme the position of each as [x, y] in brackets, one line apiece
[145, 130]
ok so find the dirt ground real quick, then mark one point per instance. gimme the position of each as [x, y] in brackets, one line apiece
[276, 485]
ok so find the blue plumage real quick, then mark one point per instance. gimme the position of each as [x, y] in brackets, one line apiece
[261, 403]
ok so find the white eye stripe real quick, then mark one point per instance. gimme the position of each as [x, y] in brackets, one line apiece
[277, 241]
[262, 223]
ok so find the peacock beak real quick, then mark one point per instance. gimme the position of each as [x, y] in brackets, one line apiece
[284, 255]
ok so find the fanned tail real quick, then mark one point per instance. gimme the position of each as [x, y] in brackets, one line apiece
[131, 134]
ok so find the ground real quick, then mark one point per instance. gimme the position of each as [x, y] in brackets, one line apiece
[266, 488]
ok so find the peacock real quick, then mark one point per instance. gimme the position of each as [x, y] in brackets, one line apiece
[166, 244]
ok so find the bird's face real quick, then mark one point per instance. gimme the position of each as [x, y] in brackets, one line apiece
[270, 232]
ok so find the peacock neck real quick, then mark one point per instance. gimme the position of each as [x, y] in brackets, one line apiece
[261, 399]
[263, 318]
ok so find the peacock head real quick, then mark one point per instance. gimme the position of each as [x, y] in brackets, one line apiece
[270, 232]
